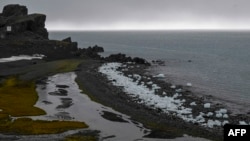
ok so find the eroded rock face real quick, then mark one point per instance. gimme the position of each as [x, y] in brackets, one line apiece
[14, 10]
[22, 24]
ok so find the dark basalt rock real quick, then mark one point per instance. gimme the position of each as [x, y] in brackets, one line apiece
[96, 49]
[34, 23]
[67, 40]
[14, 10]
[21, 23]
[91, 52]
[62, 86]
[118, 58]
[2, 21]
[66, 103]
[138, 60]
[60, 92]
[23, 33]
[112, 117]
[123, 58]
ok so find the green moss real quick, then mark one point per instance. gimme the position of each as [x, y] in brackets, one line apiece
[17, 98]
[88, 135]
[67, 65]
[48, 68]
[28, 126]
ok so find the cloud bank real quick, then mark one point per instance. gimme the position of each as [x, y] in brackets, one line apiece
[140, 14]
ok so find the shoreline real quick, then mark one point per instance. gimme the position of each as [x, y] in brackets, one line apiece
[205, 92]
[101, 90]
[169, 111]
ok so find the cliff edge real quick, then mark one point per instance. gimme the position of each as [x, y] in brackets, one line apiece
[15, 22]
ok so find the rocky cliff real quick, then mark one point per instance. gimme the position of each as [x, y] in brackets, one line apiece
[25, 34]
[16, 22]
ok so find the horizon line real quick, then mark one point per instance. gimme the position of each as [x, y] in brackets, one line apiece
[216, 29]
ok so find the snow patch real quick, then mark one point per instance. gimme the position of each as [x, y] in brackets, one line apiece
[210, 114]
[160, 75]
[223, 111]
[173, 87]
[218, 115]
[193, 104]
[225, 122]
[212, 123]
[178, 90]
[21, 57]
[225, 116]
[189, 84]
[242, 123]
[147, 96]
[207, 105]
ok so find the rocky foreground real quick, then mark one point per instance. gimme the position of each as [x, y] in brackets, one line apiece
[25, 34]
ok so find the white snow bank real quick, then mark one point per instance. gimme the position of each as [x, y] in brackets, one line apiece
[212, 123]
[148, 97]
[173, 87]
[21, 57]
[189, 84]
[142, 92]
[193, 104]
[160, 75]
[207, 105]
[242, 123]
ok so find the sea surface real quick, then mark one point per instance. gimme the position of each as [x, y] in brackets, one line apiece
[217, 63]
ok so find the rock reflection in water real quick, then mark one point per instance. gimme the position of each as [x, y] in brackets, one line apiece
[68, 103]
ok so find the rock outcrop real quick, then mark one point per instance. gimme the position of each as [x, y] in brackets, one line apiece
[123, 58]
[15, 10]
[16, 23]
[25, 34]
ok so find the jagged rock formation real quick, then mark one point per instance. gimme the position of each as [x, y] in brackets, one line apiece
[16, 23]
[28, 36]
[123, 58]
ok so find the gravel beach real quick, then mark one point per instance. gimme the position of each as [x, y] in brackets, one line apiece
[101, 90]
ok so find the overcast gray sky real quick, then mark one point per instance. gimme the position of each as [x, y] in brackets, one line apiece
[140, 14]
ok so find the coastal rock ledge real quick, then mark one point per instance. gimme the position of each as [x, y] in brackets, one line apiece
[25, 34]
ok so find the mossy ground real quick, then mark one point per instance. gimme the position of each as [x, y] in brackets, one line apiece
[81, 138]
[27, 126]
[18, 97]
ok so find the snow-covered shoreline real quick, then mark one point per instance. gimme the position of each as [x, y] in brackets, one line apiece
[21, 57]
[174, 104]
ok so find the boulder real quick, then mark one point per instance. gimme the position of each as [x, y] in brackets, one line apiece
[95, 49]
[123, 58]
[14, 10]
[67, 40]
[118, 58]
[138, 60]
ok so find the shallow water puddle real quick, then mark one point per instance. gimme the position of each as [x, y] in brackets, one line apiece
[61, 98]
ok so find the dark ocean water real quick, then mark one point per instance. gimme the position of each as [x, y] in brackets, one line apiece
[220, 60]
